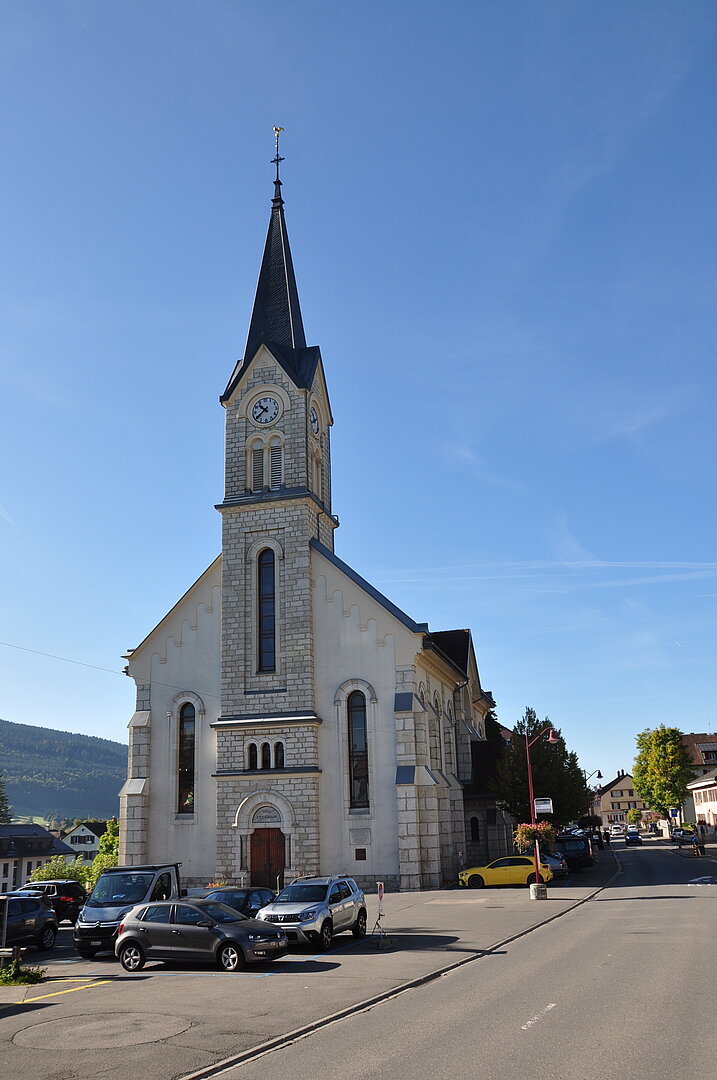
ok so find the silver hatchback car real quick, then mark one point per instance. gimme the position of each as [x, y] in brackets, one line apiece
[195, 930]
[312, 910]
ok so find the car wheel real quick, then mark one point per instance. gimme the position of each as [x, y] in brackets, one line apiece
[46, 939]
[131, 956]
[359, 927]
[230, 957]
[475, 881]
[532, 880]
[86, 953]
[326, 936]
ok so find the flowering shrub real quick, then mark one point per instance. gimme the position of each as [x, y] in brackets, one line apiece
[526, 835]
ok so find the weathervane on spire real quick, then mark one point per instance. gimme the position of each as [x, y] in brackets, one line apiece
[278, 158]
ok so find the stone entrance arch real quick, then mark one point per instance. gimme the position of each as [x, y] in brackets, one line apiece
[267, 845]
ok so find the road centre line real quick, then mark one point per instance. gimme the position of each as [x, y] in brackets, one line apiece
[57, 993]
[539, 1016]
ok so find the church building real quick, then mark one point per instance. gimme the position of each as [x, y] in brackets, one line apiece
[290, 719]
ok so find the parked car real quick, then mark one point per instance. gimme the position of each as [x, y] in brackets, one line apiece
[31, 920]
[632, 838]
[116, 892]
[510, 870]
[246, 901]
[66, 896]
[617, 829]
[313, 910]
[576, 850]
[682, 836]
[195, 930]
[556, 863]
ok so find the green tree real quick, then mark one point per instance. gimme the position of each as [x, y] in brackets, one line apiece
[556, 774]
[662, 769]
[107, 852]
[5, 811]
[57, 869]
[634, 817]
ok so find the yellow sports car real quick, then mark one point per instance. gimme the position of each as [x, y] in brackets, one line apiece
[512, 870]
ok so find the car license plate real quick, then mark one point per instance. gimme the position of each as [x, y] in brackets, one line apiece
[95, 943]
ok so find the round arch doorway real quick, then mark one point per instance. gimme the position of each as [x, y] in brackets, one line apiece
[267, 849]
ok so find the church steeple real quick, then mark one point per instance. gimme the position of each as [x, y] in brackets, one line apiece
[276, 316]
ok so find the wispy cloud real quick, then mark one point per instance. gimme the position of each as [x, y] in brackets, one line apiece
[6, 517]
[479, 467]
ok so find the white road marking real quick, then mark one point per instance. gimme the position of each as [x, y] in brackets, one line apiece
[539, 1016]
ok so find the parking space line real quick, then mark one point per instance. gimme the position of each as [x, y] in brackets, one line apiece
[57, 993]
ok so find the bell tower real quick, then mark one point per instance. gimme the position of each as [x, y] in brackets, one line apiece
[277, 496]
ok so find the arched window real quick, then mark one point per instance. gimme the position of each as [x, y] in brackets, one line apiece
[358, 750]
[185, 759]
[252, 757]
[475, 830]
[265, 756]
[279, 755]
[266, 612]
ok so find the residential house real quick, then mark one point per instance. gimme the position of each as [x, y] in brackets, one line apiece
[612, 801]
[703, 795]
[22, 849]
[702, 748]
[84, 839]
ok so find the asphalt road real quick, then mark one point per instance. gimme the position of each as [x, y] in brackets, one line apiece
[620, 986]
[591, 979]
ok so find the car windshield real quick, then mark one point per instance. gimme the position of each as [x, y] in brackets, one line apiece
[572, 845]
[220, 913]
[119, 889]
[301, 894]
[237, 896]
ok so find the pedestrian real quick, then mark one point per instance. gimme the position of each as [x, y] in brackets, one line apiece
[606, 838]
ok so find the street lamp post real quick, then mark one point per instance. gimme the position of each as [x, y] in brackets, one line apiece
[552, 738]
[595, 772]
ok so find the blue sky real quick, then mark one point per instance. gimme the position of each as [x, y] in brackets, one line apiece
[503, 225]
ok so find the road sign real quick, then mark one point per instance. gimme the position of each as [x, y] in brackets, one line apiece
[543, 806]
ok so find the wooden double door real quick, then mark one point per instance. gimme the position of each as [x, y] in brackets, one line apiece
[267, 858]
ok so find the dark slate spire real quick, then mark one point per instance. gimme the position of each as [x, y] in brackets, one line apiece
[276, 317]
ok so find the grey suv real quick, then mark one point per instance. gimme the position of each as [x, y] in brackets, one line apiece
[312, 910]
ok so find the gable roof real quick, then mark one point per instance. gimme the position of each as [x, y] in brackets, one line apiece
[416, 628]
[698, 744]
[600, 791]
[17, 840]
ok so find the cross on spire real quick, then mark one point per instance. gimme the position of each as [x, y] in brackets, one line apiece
[276, 160]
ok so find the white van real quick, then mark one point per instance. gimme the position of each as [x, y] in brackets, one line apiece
[618, 829]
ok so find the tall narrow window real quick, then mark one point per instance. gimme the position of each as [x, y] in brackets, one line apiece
[265, 756]
[267, 615]
[257, 468]
[275, 456]
[185, 786]
[252, 763]
[279, 755]
[358, 751]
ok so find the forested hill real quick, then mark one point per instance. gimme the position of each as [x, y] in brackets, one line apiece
[55, 774]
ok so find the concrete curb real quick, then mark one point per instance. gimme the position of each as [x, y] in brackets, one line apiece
[369, 1003]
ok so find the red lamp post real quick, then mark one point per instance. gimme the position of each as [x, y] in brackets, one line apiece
[552, 738]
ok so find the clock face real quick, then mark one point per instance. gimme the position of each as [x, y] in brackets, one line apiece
[265, 410]
[314, 417]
